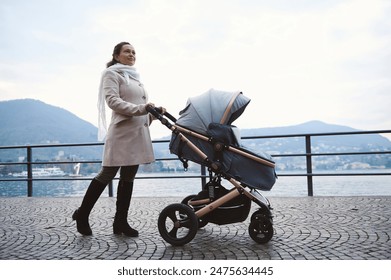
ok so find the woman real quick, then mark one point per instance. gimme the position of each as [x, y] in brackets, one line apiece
[128, 142]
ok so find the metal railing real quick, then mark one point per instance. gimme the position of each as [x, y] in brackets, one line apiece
[308, 155]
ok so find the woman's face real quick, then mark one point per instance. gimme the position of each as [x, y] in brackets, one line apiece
[127, 55]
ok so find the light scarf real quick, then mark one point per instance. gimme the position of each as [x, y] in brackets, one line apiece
[126, 71]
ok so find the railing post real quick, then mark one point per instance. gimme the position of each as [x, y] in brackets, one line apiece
[29, 172]
[203, 179]
[309, 165]
[110, 189]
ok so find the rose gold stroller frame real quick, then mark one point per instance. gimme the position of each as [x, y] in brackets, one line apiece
[262, 221]
[238, 188]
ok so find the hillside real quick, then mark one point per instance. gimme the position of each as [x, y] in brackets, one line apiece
[321, 144]
[28, 121]
[321, 127]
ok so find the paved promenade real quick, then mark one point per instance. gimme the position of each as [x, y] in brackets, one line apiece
[337, 228]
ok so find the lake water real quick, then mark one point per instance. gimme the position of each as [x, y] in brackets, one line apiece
[144, 187]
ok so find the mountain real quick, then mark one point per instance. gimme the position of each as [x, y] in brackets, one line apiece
[320, 144]
[321, 127]
[28, 121]
[307, 127]
[33, 122]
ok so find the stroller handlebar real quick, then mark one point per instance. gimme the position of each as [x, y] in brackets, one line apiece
[157, 113]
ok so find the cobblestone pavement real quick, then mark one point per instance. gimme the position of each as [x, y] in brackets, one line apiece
[338, 228]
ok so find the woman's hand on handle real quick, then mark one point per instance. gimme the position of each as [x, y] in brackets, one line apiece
[149, 107]
[161, 110]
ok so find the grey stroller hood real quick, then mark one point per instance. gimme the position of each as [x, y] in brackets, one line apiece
[210, 116]
[211, 107]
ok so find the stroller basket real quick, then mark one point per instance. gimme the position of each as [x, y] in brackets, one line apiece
[234, 211]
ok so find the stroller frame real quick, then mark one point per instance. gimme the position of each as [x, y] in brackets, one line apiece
[178, 223]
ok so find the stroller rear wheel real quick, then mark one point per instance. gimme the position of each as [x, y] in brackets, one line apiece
[261, 227]
[178, 224]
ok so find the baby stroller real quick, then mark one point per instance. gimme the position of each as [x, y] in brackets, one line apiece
[203, 134]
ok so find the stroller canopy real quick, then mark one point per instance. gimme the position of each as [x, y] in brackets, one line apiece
[213, 106]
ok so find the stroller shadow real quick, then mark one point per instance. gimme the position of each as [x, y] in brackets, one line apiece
[229, 242]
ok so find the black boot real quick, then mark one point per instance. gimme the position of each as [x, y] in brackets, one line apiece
[93, 192]
[120, 225]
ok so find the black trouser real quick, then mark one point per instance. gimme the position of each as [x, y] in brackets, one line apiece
[107, 173]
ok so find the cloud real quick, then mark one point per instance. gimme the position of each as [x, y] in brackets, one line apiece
[297, 62]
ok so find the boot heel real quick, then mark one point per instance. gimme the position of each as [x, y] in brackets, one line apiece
[75, 215]
[124, 228]
[117, 230]
[82, 226]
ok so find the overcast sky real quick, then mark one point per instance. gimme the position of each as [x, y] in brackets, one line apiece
[297, 60]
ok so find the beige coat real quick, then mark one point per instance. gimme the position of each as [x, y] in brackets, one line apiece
[128, 140]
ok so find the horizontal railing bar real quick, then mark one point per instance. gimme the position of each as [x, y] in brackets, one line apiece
[161, 141]
[90, 178]
[331, 154]
[319, 134]
[52, 145]
[51, 162]
[68, 162]
[334, 174]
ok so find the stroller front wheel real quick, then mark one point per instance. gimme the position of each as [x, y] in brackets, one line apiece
[178, 224]
[261, 228]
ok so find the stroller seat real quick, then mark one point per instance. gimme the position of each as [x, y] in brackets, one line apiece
[226, 134]
[238, 163]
